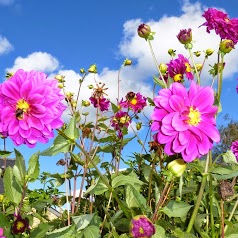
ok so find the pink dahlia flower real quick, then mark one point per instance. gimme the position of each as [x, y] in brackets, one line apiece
[234, 148]
[141, 226]
[100, 102]
[135, 102]
[178, 67]
[224, 27]
[185, 120]
[1, 233]
[30, 107]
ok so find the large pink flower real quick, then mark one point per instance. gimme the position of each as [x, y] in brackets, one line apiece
[185, 120]
[30, 107]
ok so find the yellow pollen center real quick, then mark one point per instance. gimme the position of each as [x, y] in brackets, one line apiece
[22, 104]
[133, 101]
[141, 230]
[188, 68]
[194, 117]
[178, 77]
[20, 225]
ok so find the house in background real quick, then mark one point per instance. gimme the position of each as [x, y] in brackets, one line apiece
[10, 162]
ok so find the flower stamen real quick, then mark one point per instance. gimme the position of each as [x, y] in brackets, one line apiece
[194, 117]
[21, 108]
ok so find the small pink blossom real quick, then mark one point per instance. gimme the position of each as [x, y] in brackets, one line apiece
[184, 121]
[100, 102]
[234, 148]
[31, 107]
[1, 233]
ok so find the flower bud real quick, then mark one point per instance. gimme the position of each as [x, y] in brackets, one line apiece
[199, 67]
[141, 226]
[163, 68]
[60, 85]
[93, 69]
[209, 52]
[1, 197]
[90, 86]
[60, 78]
[85, 103]
[127, 62]
[197, 53]
[226, 46]
[9, 75]
[138, 126]
[144, 31]
[177, 167]
[171, 52]
[185, 36]
[82, 71]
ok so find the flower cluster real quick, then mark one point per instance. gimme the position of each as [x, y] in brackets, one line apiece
[234, 148]
[31, 108]
[178, 67]
[185, 121]
[224, 27]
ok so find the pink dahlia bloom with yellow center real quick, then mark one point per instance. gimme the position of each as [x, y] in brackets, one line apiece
[30, 107]
[185, 120]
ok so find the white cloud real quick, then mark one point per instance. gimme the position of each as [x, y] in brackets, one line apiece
[40, 61]
[5, 45]
[6, 2]
[166, 30]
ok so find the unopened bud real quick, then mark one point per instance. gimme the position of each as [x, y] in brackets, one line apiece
[226, 46]
[1, 198]
[177, 167]
[138, 126]
[60, 85]
[199, 67]
[60, 77]
[197, 53]
[82, 71]
[171, 52]
[209, 52]
[127, 62]
[9, 75]
[90, 86]
[163, 68]
[93, 69]
[85, 103]
[144, 31]
[185, 36]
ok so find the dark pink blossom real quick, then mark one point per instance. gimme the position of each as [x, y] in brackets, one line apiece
[178, 67]
[142, 227]
[135, 102]
[119, 121]
[1, 233]
[219, 21]
[20, 225]
[185, 36]
[100, 102]
[31, 107]
[185, 120]
[234, 148]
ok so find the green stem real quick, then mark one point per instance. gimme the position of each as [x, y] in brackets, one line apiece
[231, 215]
[220, 72]
[194, 65]
[123, 208]
[211, 200]
[156, 63]
[200, 195]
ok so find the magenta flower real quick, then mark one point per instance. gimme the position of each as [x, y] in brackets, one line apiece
[185, 36]
[234, 148]
[1, 233]
[100, 102]
[141, 226]
[30, 108]
[185, 120]
[135, 102]
[119, 121]
[224, 27]
[178, 67]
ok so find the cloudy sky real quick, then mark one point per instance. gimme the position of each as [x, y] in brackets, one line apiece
[63, 36]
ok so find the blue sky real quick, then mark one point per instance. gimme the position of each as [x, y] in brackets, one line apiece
[60, 36]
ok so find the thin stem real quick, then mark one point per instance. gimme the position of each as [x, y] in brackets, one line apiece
[220, 72]
[67, 194]
[194, 65]
[222, 220]
[156, 63]
[200, 195]
[232, 213]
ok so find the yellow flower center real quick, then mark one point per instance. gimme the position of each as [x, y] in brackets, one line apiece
[178, 77]
[188, 68]
[133, 101]
[20, 225]
[194, 117]
[21, 107]
[227, 20]
[141, 230]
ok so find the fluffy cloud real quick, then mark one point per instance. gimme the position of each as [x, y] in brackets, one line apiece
[40, 61]
[6, 2]
[166, 30]
[5, 45]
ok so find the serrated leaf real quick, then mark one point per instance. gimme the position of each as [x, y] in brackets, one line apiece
[12, 189]
[82, 221]
[176, 209]
[98, 188]
[20, 163]
[33, 167]
[123, 180]
[60, 144]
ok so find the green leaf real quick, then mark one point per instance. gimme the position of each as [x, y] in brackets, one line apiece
[176, 209]
[90, 232]
[223, 173]
[115, 108]
[123, 180]
[122, 225]
[33, 167]
[181, 234]
[229, 157]
[135, 199]
[72, 131]
[158, 82]
[60, 144]
[20, 164]
[97, 188]
[68, 231]
[40, 231]
[82, 221]
[12, 189]
[4, 154]
[159, 232]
